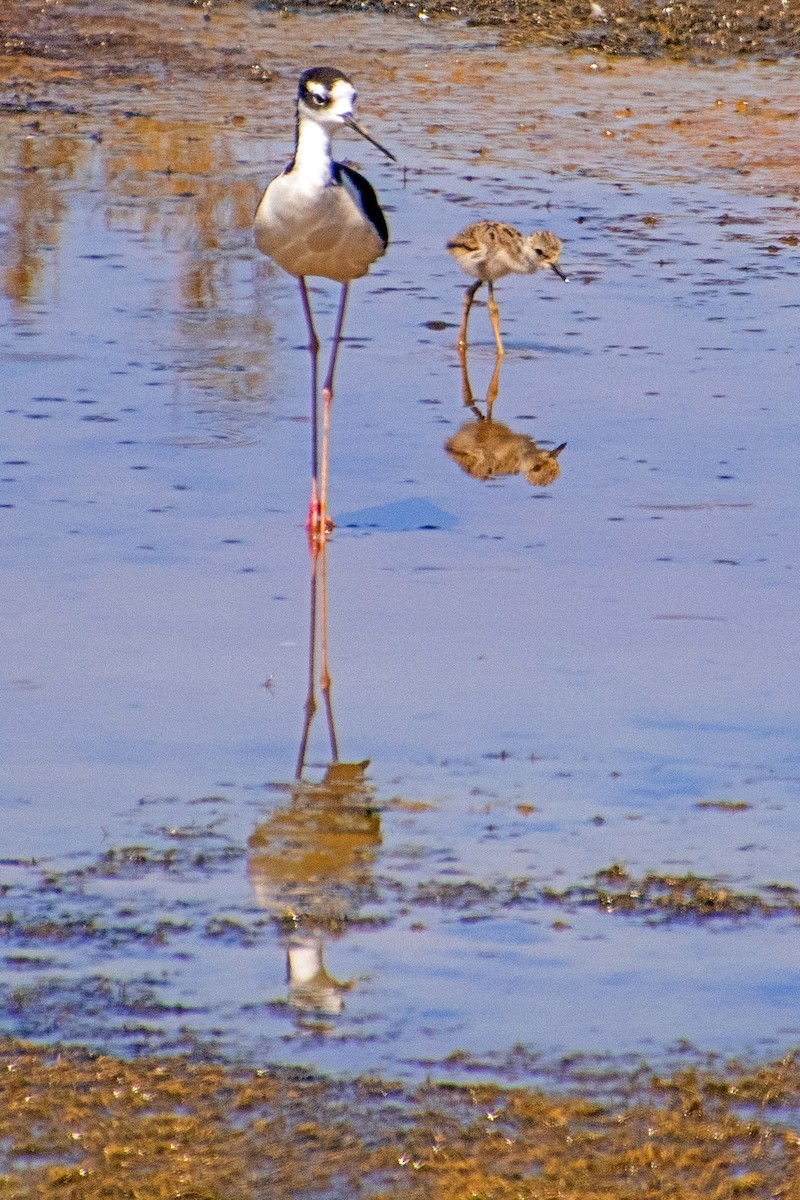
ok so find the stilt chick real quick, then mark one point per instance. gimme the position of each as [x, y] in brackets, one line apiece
[487, 251]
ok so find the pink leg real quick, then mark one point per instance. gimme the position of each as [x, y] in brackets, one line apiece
[324, 524]
[313, 519]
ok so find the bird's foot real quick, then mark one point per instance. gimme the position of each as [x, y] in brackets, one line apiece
[314, 509]
[318, 537]
[318, 524]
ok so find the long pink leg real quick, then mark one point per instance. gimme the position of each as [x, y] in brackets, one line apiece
[327, 399]
[312, 521]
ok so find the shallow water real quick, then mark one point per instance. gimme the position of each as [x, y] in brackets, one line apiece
[546, 682]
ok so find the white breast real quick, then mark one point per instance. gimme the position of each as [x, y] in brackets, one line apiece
[315, 231]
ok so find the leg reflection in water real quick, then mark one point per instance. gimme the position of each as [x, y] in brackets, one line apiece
[310, 862]
[486, 448]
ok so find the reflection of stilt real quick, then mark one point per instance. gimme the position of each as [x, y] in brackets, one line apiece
[485, 448]
[318, 619]
[310, 861]
[466, 386]
[311, 988]
[325, 675]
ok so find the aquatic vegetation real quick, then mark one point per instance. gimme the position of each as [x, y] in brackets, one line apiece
[670, 897]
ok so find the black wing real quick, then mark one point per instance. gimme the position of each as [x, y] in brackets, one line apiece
[367, 197]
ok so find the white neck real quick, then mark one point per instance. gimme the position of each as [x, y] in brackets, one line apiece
[312, 156]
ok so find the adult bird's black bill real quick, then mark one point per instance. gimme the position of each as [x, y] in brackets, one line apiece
[353, 124]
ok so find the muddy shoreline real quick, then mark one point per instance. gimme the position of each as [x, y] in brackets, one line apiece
[77, 1125]
[105, 38]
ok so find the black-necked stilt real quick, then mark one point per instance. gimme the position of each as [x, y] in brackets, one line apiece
[319, 217]
[487, 251]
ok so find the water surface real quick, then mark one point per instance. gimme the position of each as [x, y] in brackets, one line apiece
[545, 681]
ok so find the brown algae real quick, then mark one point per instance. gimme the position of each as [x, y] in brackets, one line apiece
[767, 29]
[75, 1125]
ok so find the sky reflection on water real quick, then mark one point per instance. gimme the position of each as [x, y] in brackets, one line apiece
[547, 682]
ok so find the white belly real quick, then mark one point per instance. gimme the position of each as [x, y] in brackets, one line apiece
[324, 233]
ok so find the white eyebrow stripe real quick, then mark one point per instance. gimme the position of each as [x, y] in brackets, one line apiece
[343, 90]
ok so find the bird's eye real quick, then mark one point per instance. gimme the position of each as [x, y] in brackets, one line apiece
[318, 99]
[540, 251]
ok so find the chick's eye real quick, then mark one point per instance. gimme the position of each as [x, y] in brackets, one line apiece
[540, 251]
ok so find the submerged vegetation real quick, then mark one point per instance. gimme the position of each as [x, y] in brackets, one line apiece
[670, 897]
[154, 902]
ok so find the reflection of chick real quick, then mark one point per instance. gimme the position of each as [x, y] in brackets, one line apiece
[487, 448]
[309, 865]
[488, 250]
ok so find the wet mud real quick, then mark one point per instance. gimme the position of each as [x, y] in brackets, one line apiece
[704, 30]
